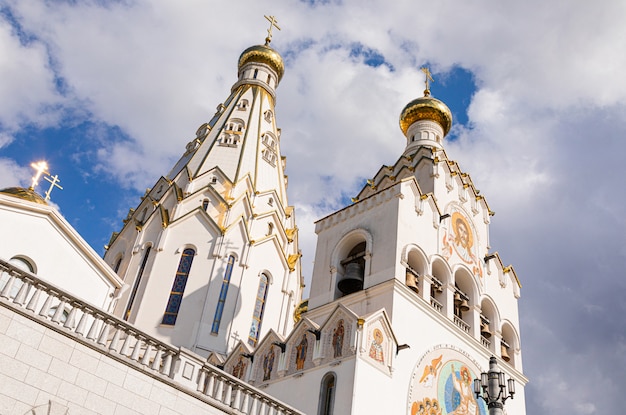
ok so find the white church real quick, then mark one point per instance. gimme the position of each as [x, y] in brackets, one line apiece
[196, 307]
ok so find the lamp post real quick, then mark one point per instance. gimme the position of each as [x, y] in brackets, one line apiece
[493, 389]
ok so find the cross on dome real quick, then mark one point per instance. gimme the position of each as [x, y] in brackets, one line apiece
[54, 182]
[428, 77]
[273, 24]
[41, 167]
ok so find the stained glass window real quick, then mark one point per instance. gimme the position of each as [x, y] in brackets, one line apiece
[178, 287]
[223, 292]
[259, 308]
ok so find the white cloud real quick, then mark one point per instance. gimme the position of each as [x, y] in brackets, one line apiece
[28, 91]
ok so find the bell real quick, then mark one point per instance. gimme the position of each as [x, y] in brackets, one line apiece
[457, 299]
[464, 306]
[484, 330]
[504, 351]
[411, 281]
[352, 280]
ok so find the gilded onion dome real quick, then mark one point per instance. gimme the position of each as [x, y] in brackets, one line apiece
[26, 194]
[426, 108]
[263, 54]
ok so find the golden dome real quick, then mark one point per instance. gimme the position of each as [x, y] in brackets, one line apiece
[26, 194]
[263, 54]
[426, 108]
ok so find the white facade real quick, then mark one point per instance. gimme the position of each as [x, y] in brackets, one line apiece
[38, 239]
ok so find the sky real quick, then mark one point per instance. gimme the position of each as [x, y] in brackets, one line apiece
[109, 93]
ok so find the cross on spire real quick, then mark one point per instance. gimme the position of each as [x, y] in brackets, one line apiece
[53, 183]
[428, 77]
[273, 24]
[41, 167]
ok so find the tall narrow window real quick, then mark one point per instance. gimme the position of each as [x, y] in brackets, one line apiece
[178, 288]
[117, 265]
[133, 293]
[205, 204]
[223, 292]
[259, 308]
[327, 394]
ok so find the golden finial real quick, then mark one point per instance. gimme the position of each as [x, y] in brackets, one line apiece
[428, 78]
[53, 183]
[273, 24]
[41, 167]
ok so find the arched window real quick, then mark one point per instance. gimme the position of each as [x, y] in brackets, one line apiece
[133, 293]
[205, 204]
[259, 308]
[223, 292]
[327, 394]
[117, 265]
[178, 288]
[19, 263]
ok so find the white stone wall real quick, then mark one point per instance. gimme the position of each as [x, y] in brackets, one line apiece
[39, 365]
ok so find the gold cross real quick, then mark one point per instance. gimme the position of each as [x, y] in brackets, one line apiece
[273, 23]
[53, 183]
[40, 167]
[428, 78]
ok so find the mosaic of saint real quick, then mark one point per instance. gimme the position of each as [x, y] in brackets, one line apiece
[460, 239]
[338, 334]
[268, 363]
[442, 384]
[240, 368]
[301, 351]
[377, 351]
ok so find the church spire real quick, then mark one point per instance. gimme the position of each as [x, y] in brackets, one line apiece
[221, 216]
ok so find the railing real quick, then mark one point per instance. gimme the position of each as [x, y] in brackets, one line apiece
[436, 304]
[485, 342]
[120, 340]
[462, 325]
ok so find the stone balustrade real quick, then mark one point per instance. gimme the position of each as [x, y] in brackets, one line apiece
[183, 369]
[461, 324]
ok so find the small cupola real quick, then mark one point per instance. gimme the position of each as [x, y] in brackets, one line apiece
[260, 64]
[425, 120]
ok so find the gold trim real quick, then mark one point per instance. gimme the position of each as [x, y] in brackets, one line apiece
[293, 260]
[165, 217]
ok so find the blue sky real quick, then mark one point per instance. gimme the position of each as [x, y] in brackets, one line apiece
[110, 92]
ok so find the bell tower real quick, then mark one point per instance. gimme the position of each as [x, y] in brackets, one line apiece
[415, 244]
[210, 255]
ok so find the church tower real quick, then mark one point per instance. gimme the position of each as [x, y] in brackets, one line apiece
[210, 255]
[408, 271]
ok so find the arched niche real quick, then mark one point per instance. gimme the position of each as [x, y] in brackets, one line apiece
[350, 259]
[441, 277]
[510, 344]
[416, 264]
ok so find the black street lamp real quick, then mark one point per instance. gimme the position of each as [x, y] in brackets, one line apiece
[493, 389]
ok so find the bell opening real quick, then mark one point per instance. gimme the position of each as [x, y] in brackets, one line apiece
[354, 271]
